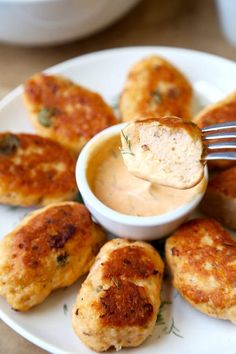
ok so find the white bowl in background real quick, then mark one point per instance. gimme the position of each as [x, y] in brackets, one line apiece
[133, 227]
[44, 22]
[227, 15]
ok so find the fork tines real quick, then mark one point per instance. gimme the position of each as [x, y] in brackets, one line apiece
[219, 132]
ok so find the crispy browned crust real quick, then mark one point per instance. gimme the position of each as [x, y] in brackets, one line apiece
[220, 198]
[123, 266]
[144, 96]
[51, 248]
[219, 112]
[36, 171]
[127, 304]
[75, 113]
[202, 259]
[118, 302]
[129, 262]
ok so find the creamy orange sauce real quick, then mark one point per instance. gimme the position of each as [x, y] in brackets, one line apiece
[118, 189]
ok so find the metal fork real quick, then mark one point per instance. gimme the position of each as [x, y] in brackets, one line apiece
[214, 132]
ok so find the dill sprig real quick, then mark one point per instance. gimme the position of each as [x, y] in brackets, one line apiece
[160, 318]
[173, 329]
[65, 309]
[156, 96]
[128, 142]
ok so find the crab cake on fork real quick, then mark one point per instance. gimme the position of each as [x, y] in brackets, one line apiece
[50, 249]
[35, 170]
[202, 258]
[65, 112]
[155, 88]
[118, 303]
[167, 151]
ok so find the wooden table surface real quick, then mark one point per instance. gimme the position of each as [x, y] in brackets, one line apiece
[181, 23]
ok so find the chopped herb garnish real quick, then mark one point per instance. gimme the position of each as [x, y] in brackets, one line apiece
[62, 259]
[128, 150]
[99, 288]
[8, 144]
[173, 329]
[156, 96]
[45, 116]
[160, 318]
[65, 309]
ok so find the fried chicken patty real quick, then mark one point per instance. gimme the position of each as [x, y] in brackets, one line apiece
[220, 112]
[155, 88]
[220, 198]
[50, 249]
[202, 258]
[117, 304]
[167, 151]
[65, 112]
[35, 170]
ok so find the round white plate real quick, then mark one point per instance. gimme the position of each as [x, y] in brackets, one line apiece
[180, 329]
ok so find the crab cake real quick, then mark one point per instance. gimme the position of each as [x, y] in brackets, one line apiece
[167, 151]
[65, 112]
[220, 112]
[118, 303]
[34, 170]
[220, 198]
[202, 259]
[155, 88]
[50, 249]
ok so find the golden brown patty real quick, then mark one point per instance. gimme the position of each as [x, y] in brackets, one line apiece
[220, 198]
[167, 151]
[50, 249]
[220, 112]
[155, 88]
[202, 259]
[118, 303]
[64, 111]
[34, 170]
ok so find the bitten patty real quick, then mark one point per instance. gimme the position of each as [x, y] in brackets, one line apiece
[220, 198]
[202, 259]
[219, 112]
[167, 151]
[155, 88]
[35, 170]
[50, 249]
[117, 304]
[65, 112]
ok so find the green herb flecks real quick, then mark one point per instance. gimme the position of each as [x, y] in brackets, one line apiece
[8, 144]
[128, 150]
[156, 96]
[65, 309]
[62, 259]
[173, 329]
[45, 116]
[160, 318]
[78, 198]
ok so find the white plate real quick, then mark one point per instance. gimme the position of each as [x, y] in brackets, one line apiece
[49, 325]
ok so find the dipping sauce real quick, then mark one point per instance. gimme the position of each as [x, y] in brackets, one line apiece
[118, 189]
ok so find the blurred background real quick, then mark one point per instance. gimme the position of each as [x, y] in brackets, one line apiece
[182, 23]
[190, 24]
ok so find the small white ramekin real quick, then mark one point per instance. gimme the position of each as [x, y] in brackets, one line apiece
[132, 227]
